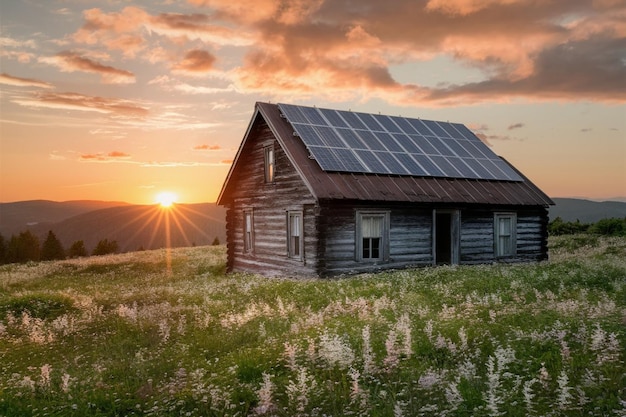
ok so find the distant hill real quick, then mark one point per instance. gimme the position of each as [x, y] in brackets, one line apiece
[132, 226]
[572, 209]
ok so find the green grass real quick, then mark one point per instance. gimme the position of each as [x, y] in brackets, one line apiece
[121, 335]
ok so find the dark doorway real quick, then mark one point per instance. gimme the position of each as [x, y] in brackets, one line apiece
[443, 238]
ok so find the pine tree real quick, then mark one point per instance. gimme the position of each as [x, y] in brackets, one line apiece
[23, 248]
[52, 248]
[77, 249]
[3, 250]
[105, 247]
[216, 241]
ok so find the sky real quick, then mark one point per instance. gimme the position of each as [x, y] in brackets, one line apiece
[121, 100]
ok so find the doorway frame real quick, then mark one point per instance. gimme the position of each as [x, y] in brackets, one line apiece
[455, 235]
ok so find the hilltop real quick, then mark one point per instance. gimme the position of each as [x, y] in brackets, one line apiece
[132, 226]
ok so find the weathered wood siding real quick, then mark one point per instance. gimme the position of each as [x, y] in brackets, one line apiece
[532, 234]
[269, 203]
[477, 235]
[410, 238]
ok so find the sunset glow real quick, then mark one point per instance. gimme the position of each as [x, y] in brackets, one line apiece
[166, 199]
[117, 100]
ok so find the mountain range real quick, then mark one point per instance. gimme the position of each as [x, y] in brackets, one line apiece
[132, 226]
[136, 227]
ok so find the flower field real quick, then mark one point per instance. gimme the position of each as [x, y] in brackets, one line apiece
[168, 333]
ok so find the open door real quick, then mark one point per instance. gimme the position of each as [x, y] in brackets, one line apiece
[446, 237]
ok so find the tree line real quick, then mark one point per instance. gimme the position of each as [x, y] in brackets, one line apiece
[606, 227]
[25, 247]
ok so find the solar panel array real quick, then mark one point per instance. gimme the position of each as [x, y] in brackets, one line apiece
[346, 141]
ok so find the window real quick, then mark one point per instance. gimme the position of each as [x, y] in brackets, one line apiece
[372, 235]
[505, 225]
[294, 234]
[248, 231]
[269, 163]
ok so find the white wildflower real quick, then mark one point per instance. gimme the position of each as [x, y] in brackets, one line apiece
[45, 375]
[65, 382]
[564, 397]
[164, 330]
[265, 404]
[527, 390]
[463, 339]
[544, 377]
[290, 355]
[298, 390]
[403, 327]
[335, 351]
[392, 358]
[453, 395]
[369, 365]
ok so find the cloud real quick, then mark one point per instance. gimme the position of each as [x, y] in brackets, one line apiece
[196, 61]
[561, 50]
[114, 156]
[68, 61]
[206, 147]
[121, 31]
[23, 82]
[515, 126]
[75, 101]
[198, 27]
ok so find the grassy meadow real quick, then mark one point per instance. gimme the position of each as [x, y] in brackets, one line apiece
[162, 333]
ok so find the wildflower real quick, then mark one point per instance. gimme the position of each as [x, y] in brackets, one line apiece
[429, 379]
[298, 390]
[164, 330]
[265, 396]
[335, 351]
[290, 355]
[429, 330]
[527, 390]
[392, 359]
[65, 382]
[453, 395]
[544, 377]
[564, 396]
[369, 366]
[463, 338]
[45, 375]
[403, 327]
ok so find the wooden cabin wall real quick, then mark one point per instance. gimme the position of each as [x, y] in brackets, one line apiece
[269, 203]
[532, 234]
[410, 239]
[477, 235]
[477, 244]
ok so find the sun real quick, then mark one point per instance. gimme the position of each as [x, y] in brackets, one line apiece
[166, 199]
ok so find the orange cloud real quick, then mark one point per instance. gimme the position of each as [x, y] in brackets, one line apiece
[68, 61]
[117, 31]
[75, 101]
[114, 156]
[197, 26]
[196, 61]
[23, 82]
[207, 148]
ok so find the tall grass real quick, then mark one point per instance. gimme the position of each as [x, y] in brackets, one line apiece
[121, 335]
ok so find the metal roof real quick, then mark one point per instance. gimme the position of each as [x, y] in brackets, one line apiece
[328, 185]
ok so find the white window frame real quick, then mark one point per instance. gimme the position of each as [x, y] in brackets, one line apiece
[383, 243]
[248, 231]
[295, 234]
[269, 157]
[504, 241]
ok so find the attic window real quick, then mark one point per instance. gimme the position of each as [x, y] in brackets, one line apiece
[269, 163]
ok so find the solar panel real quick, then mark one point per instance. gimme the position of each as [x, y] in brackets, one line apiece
[344, 141]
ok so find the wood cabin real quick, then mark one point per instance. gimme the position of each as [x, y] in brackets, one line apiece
[321, 192]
